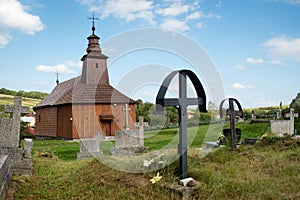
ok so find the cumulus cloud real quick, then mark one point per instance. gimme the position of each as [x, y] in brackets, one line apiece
[14, 16]
[195, 15]
[178, 15]
[254, 61]
[129, 10]
[74, 64]
[241, 86]
[283, 48]
[174, 10]
[174, 24]
[60, 68]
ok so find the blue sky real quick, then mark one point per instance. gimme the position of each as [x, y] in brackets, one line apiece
[254, 44]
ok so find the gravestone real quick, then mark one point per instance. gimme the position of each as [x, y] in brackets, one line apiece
[28, 143]
[12, 159]
[126, 109]
[182, 103]
[232, 114]
[89, 147]
[129, 142]
[10, 136]
[10, 127]
[4, 175]
[282, 127]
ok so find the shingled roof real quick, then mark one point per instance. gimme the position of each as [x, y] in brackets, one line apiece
[75, 92]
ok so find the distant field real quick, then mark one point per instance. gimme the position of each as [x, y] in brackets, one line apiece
[9, 100]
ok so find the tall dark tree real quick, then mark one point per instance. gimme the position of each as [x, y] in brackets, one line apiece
[296, 103]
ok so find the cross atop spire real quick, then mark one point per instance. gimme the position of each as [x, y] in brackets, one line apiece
[93, 21]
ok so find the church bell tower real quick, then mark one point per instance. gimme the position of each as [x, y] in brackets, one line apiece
[94, 70]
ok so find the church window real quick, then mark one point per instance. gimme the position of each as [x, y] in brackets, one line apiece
[96, 65]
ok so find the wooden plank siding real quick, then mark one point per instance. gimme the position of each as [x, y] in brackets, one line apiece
[46, 122]
[87, 119]
[82, 120]
[64, 121]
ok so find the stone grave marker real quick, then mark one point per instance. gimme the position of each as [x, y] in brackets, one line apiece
[126, 109]
[282, 127]
[129, 142]
[89, 147]
[10, 127]
[4, 175]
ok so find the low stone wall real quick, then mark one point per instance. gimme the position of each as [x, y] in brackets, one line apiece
[4, 176]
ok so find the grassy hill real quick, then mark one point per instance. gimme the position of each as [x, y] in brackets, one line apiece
[9, 100]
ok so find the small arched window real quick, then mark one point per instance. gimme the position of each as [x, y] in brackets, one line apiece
[96, 65]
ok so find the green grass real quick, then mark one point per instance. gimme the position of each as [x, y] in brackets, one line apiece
[250, 172]
[154, 140]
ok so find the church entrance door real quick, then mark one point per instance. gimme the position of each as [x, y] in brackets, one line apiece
[106, 127]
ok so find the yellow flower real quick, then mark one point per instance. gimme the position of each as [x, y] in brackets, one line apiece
[156, 178]
[42, 154]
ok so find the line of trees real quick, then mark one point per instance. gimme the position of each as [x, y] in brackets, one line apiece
[21, 93]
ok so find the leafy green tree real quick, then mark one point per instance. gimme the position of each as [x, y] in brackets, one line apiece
[296, 103]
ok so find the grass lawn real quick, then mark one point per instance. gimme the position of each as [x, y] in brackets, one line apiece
[250, 172]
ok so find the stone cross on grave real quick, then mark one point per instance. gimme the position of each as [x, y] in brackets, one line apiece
[182, 102]
[232, 114]
[126, 109]
[17, 109]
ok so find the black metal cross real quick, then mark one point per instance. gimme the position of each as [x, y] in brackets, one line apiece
[182, 102]
[93, 18]
[232, 114]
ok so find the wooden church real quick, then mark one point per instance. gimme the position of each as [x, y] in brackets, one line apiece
[85, 105]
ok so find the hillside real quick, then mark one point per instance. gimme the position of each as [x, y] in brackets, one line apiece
[9, 100]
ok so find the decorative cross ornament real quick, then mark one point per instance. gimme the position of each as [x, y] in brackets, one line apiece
[232, 114]
[126, 109]
[93, 21]
[182, 102]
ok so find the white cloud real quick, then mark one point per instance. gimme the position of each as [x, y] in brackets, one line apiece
[178, 15]
[174, 10]
[62, 69]
[74, 64]
[14, 16]
[199, 25]
[174, 24]
[195, 15]
[239, 67]
[254, 61]
[129, 10]
[241, 87]
[284, 48]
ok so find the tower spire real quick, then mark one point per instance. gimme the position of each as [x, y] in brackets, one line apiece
[93, 18]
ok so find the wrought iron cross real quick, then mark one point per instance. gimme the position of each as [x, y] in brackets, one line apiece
[182, 102]
[232, 114]
[93, 18]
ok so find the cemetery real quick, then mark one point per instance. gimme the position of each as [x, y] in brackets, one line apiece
[89, 145]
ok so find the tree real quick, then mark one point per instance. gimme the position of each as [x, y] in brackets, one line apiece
[296, 103]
